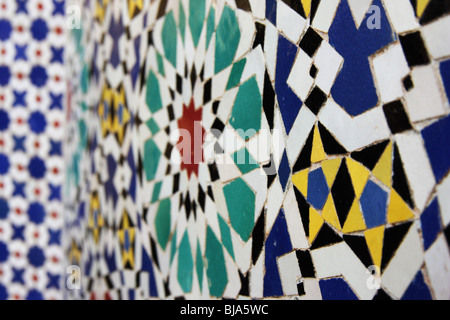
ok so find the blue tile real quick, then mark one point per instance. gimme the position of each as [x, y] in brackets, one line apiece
[336, 289]
[271, 11]
[318, 190]
[354, 89]
[374, 205]
[436, 139]
[277, 244]
[288, 101]
[418, 289]
[445, 74]
[284, 171]
[431, 224]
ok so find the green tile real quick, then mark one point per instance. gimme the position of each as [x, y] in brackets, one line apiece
[199, 265]
[153, 126]
[240, 201]
[216, 270]
[169, 39]
[151, 159]
[196, 19]
[153, 96]
[210, 25]
[182, 22]
[236, 74]
[156, 192]
[84, 83]
[247, 110]
[160, 61]
[185, 264]
[226, 236]
[163, 222]
[244, 161]
[173, 246]
[228, 36]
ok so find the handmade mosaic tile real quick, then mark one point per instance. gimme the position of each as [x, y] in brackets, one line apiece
[32, 93]
[230, 149]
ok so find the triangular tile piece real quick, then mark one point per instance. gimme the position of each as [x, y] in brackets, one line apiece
[359, 246]
[434, 10]
[306, 6]
[330, 144]
[381, 295]
[374, 239]
[258, 236]
[300, 180]
[315, 224]
[359, 9]
[359, 175]
[400, 183]
[355, 220]
[393, 237]
[330, 169]
[303, 207]
[317, 154]
[329, 213]
[383, 170]
[398, 210]
[325, 237]
[370, 156]
[343, 192]
[314, 7]
[421, 6]
[304, 160]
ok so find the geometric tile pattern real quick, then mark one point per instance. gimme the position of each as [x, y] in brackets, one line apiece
[225, 149]
[32, 93]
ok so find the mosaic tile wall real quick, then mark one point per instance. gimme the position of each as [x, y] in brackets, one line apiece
[226, 149]
[32, 93]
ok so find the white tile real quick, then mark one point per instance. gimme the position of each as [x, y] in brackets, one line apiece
[270, 49]
[359, 9]
[289, 273]
[401, 14]
[294, 221]
[258, 9]
[289, 22]
[339, 260]
[437, 260]
[274, 200]
[312, 290]
[417, 167]
[424, 101]
[354, 132]
[248, 30]
[405, 264]
[328, 63]
[325, 15]
[300, 80]
[299, 133]
[443, 192]
[257, 277]
[390, 79]
[437, 37]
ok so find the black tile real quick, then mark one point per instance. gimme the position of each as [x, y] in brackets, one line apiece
[171, 112]
[243, 5]
[400, 183]
[369, 156]
[179, 84]
[414, 48]
[258, 236]
[187, 205]
[358, 245]
[393, 237]
[343, 193]
[301, 289]
[316, 100]
[260, 35]
[201, 197]
[215, 107]
[381, 295]
[314, 7]
[296, 5]
[447, 235]
[310, 42]
[305, 264]
[176, 183]
[269, 100]
[330, 144]
[303, 208]
[434, 10]
[207, 92]
[396, 117]
[408, 83]
[213, 172]
[244, 285]
[325, 237]
[218, 127]
[304, 160]
[313, 71]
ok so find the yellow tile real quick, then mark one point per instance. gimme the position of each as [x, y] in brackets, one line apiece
[398, 210]
[306, 6]
[355, 221]
[330, 169]
[359, 175]
[374, 239]
[329, 213]
[300, 180]
[383, 169]
[421, 6]
[318, 153]
[315, 223]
